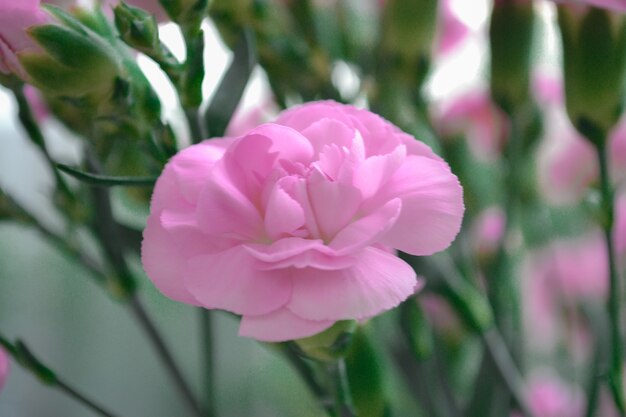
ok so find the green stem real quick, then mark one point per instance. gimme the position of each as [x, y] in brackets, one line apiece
[24, 357]
[290, 352]
[617, 355]
[206, 333]
[28, 121]
[341, 387]
[164, 354]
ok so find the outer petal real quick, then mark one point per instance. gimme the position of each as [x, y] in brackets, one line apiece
[432, 207]
[280, 326]
[301, 117]
[230, 281]
[378, 281]
[298, 253]
[164, 262]
[367, 230]
[329, 131]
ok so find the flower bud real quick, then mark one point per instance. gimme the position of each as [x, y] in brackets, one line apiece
[137, 27]
[15, 18]
[594, 61]
[510, 36]
[187, 13]
[331, 344]
[73, 60]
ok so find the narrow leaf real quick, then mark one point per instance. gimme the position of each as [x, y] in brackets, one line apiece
[105, 180]
[232, 86]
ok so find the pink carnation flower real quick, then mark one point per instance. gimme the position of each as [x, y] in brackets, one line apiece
[4, 367]
[549, 396]
[290, 225]
[15, 18]
[474, 115]
[452, 31]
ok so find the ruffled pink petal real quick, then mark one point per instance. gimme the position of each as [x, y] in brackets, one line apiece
[367, 230]
[298, 253]
[223, 210]
[329, 132]
[283, 214]
[378, 281]
[164, 261]
[230, 281]
[280, 326]
[376, 170]
[334, 204]
[301, 117]
[432, 207]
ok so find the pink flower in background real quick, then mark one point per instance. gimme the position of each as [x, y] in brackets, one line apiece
[4, 367]
[567, 161]
[549, 396]
[476, 116]
[488, 231]
[15, 18]
[441, 314]
[37, 103]
[290, 225]
[452, 31]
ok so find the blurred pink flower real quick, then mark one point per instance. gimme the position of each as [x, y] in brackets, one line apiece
[15, 18]
[284, 225]
[549, 396]
[488, 231]
[451, 30]
[37, 104]
[441, 314]
[476, 116]
[246, 120]
[4, 367]
[567, 161]
[558, 278]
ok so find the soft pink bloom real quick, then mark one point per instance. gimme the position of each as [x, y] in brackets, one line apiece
[568, 162]
[246, 120]
[451, 30]
[557, 280]
[614, 5]
[475, 116]
[441, 314]
[488, 231]
[15, 18]
[549, 396]
[37, 104]
[4, 367]
[290, 225]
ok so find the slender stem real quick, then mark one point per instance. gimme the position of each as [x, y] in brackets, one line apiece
[289, 351]
[499, 353]
[617, 355]
[341, 386]
[164, 354]
[25, 358]
[72, 392]
[28, 121]
[206, 333]
[594, 387]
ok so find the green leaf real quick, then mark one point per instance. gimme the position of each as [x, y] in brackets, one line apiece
[105, 180]
[232, 86]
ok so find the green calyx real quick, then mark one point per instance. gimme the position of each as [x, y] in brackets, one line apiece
[331, 344]
[594, 66]
[137, 27]
[75, 61]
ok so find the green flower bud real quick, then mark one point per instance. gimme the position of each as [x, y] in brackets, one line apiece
[331, 344]
[187, 13]
[73, 61]
[137, 27]
[594, 66]
[511, 37]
